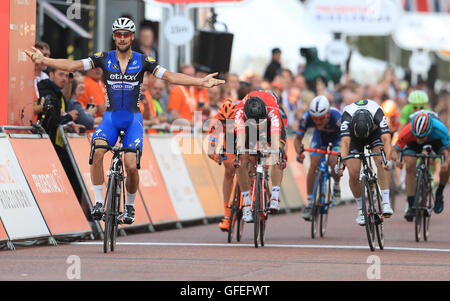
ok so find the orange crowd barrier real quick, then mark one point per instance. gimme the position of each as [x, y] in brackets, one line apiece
[3, 235]
[201, 177]
[154, 192]
[50, 186]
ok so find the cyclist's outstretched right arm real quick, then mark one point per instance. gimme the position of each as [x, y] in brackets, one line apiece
[62, 64]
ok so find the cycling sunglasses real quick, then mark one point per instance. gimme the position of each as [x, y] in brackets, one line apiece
[125, 34]
[320, 118]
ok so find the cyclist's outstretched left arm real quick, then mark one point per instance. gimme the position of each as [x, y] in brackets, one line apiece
[186, 80]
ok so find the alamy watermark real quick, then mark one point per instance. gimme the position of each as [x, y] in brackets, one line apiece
[374, 270]
[74, 11]
[73, 272]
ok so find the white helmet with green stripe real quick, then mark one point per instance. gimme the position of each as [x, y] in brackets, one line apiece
[418, 97]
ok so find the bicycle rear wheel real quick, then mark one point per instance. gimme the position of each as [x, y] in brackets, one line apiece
[379, 218]
[369, 214]
[419, 204]
[315, 214]
[427, 216]
[257, 211]
[325, 207]
[108, 214]
[264, 214]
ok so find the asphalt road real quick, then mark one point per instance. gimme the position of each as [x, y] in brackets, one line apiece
[201, 253]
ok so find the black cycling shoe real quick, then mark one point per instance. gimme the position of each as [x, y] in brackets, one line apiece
[439, 204]
[410, 214]
[128, 218]
[98, 211]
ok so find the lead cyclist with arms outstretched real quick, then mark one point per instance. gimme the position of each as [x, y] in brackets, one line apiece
[123, 71]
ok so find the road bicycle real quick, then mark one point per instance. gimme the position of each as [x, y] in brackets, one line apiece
[322, 191]
[234, 203]
[115, 190]
[424, 197]
[371, 196]
[260, 192]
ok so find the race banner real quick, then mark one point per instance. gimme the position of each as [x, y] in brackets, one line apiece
[19, 212]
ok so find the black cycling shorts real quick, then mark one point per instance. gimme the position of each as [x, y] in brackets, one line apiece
[357, 145]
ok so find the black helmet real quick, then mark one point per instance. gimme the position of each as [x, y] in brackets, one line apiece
[362, 123]
[255, 108]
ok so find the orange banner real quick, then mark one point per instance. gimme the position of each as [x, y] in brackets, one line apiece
[4, 31]
[3, 235]
[80, 149]
[50, 186]
[22, 35]
[296, 168]
[153, 189]
[202, 179]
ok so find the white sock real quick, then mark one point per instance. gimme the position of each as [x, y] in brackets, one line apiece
[98, 194]
[336, 186]
[246, 196]
[309, 199]
[275, 192]
[130, 199]
[385, 196]
[359, 203]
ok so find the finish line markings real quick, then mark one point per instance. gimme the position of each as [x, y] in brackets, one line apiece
[168, 244]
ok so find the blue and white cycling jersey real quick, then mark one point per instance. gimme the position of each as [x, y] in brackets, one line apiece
[330, 133]
[123, 93]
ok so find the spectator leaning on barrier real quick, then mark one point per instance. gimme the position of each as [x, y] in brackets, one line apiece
[85, 117]
[54, 114]
[39, 75]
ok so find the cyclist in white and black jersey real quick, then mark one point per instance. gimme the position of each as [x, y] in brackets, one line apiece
[364, 123]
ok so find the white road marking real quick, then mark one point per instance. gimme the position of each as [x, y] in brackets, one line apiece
[169, 244]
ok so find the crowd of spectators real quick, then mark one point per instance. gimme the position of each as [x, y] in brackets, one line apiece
[162, 103]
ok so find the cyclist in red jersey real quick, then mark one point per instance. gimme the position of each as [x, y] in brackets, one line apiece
[258, 115]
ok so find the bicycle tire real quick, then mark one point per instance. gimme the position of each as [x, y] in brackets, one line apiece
[240, 222]
[324, 208]
[264, 215]
[427, 216]
[368, 215]
[256, 211]
[116, 208]
[379, 219]
[392, 189]
[108, 219]
[315, 206]
[419, 204]
[233, 214]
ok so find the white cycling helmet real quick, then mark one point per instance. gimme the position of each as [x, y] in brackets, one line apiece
[124, 24]
[319, 106]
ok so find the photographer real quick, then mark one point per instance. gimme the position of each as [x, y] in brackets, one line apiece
[53, 114]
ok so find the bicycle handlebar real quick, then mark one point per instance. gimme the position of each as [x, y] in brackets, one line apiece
[321, 151]
[420, 155]
[115, 149]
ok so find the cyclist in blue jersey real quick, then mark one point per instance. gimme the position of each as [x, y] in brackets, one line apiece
[123, 75]
[327, 123]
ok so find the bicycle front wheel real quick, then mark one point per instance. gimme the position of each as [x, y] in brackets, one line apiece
[315, 214]
[116, 208]
[419, 203]
[234, 212]
[325, 207]
[369, 213]
[427, 216]
[264, 214]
